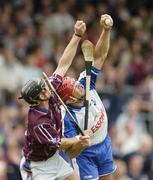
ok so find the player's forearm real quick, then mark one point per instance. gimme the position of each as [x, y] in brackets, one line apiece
[102, 46]
[81, 143]
[74, 150]
[67, 143]
[68, 55]
[71, 46]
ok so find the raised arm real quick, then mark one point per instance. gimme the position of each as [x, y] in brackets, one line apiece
[70, 51]
[103, 43]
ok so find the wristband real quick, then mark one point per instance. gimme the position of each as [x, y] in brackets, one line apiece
[78, 35]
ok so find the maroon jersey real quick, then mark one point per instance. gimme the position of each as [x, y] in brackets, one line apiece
[44, 130]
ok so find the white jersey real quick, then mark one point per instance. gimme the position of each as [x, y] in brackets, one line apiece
[97, 119]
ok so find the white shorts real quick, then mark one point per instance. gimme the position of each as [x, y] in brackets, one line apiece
[53, 168]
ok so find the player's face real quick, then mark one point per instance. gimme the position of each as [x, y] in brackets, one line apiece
[46, 93]
[78, 91]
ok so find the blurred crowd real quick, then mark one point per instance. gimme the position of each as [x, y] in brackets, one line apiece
[33, 35]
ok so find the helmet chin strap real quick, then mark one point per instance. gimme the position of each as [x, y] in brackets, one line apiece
[76, 100]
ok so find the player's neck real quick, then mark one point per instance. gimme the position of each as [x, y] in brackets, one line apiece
[44, 105]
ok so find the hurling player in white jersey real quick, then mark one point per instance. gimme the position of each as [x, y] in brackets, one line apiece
[96, 161]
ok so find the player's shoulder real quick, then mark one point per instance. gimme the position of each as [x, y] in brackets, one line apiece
[35, 116]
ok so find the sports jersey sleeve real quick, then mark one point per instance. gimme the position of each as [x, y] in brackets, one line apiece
[94, 73]
[46, 134]
[69, 127]
[56, 80]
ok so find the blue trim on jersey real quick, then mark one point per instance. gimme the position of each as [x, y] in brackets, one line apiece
[71, 107]
[69, 126]
[95, 70]
[94, 74]
[41, 109]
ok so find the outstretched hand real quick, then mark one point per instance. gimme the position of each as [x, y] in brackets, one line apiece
[80, 28]
[106, 22]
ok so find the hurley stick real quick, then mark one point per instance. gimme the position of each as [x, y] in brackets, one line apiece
[87, 49]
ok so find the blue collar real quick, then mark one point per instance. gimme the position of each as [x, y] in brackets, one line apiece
[41, 109]
[71, 107]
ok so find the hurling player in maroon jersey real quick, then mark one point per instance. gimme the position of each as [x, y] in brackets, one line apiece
[43, 137]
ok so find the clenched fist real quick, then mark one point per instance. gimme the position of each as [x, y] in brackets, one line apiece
[84, 141]
[106, 22]
[79, 28]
